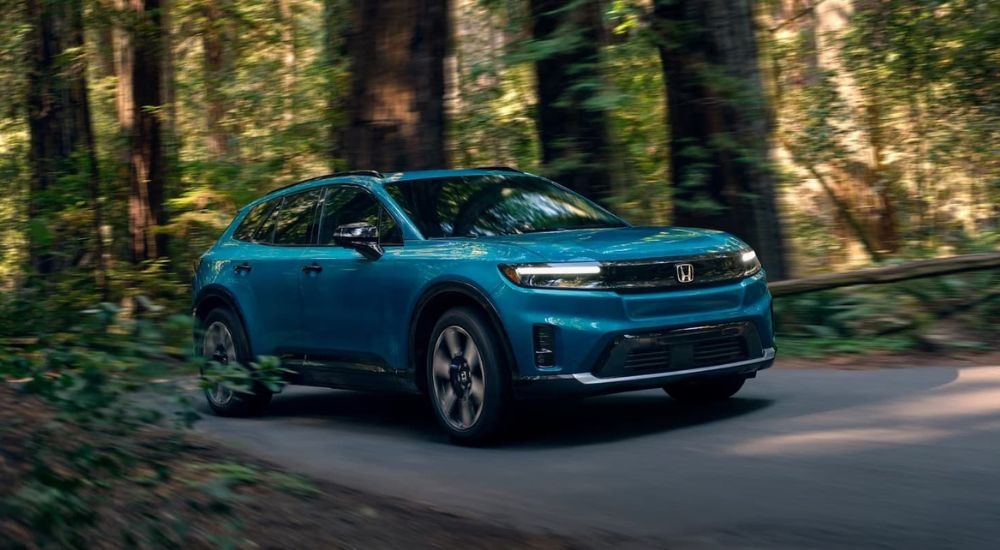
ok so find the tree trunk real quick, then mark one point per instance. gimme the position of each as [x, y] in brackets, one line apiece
[147, 170]
[289, 61]
[573, 131]
[719, 135]
[171, 137]
[217, 74]
[61, 137]
[334, 56]
[396, 107]
[889, 274]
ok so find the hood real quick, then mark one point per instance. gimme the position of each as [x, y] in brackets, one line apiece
[624, 243]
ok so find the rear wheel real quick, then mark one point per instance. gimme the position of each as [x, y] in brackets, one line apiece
[224, 342]
[467, 381]
[705, 390]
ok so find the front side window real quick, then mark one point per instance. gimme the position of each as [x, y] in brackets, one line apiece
[294, 222]
[346, 204]
[477, 206]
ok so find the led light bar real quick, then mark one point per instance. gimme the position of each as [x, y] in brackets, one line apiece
[558, 270]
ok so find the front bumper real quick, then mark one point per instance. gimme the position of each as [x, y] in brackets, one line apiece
[614, 336]
[586, 384]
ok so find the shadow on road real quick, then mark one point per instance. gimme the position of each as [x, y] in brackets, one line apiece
[612, 418]
[534, 423]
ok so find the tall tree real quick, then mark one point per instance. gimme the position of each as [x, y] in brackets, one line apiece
[572, 127]
[216, 40]
[335, 59]
[289, 59]
[396, 106]
[140, 100]
[719, 130]
[59, 123]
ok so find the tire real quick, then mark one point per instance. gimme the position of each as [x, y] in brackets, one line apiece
[706, 390]
[467, 381]
[223, 339]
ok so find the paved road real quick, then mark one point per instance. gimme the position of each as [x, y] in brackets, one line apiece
[901, 458]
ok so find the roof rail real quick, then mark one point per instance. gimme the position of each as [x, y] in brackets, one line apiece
[370, 173]
[499, 169]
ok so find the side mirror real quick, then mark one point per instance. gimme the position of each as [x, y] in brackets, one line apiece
[362, 237]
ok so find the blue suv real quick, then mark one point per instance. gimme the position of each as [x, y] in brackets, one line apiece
[476, 288]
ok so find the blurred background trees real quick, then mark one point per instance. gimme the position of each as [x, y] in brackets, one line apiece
[827, 133]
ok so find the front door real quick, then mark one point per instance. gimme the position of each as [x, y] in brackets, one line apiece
[347, 299]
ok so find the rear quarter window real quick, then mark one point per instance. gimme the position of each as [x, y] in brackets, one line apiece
[253, 219]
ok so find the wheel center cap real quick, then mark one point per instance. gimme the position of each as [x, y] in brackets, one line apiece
[461, 376]
[220, 356]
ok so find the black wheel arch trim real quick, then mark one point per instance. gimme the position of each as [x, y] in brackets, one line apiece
[477, 295]
[222, 293]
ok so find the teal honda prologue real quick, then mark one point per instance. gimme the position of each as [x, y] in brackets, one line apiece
[476, 288]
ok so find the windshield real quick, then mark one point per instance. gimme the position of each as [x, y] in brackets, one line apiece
[479, 206]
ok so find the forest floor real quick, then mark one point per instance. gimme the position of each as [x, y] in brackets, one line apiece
[170, 490]
[208, 497]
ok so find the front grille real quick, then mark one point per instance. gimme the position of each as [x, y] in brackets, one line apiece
[718, 352]
[679, 349]
[661, 273]
[650, 359]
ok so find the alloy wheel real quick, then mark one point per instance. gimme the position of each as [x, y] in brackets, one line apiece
[218, 346]
[459, 382]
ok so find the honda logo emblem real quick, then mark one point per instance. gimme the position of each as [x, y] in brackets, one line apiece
[685, 273]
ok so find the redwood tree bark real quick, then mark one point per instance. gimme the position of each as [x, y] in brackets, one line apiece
[140, 100]
[396, 106]
[572, 131]
[719, 133]
[61, 135]
[215, 41]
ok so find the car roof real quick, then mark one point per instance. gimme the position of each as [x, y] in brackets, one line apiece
[371, 178]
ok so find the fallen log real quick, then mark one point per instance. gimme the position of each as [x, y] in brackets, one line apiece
[888, 274]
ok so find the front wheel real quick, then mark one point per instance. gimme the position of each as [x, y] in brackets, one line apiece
[705, 390]
[466, 378]
[224, 342]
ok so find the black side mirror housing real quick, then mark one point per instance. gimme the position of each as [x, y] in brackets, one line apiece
[362, 237]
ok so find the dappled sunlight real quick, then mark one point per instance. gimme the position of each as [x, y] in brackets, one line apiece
[835, 440]
[971, 403]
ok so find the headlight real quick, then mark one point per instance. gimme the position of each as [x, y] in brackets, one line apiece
[559, 275]
[751, 264]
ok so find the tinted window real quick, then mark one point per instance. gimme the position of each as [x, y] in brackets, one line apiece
[253, 219]
[495, 205]
[348, 204]
[295, 221]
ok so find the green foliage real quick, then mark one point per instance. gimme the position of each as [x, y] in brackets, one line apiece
[896, 106]
[936, 313]
[227, 475]
[91, 375]
[637, 113]
[111, 381]
[266, 372]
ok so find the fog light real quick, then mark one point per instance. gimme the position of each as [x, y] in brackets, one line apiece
[545, 345]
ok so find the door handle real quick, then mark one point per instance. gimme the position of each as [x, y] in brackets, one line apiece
[312, 268]
[243, 267]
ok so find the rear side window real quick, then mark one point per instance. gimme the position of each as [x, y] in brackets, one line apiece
[253, 219]
[296, 222]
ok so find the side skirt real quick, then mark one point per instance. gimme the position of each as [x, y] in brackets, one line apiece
[349, 373]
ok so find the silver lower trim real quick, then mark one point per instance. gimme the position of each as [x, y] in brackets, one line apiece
[587, 378]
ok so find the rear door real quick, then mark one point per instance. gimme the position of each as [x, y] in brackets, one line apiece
[273, 272]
